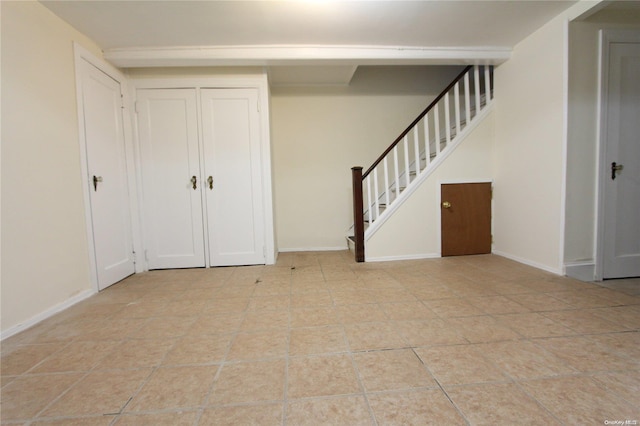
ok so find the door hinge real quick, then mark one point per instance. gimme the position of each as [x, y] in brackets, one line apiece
[121, 101]
[135, 258]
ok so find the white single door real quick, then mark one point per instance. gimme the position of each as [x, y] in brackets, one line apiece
[622, 163]
[168, 135]
[232, 159]
[107, 175]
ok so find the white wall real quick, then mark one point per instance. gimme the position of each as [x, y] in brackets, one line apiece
[319, 133]
[529, 159]
[44, 244]
[414, 230]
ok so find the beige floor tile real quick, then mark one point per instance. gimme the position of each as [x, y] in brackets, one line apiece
[203, 349]
[453, 307]
[353, 297]
[184, 307]
[386, 295]
[164, 328]
[321, 376]
[181, 418]
[216, 324]
[347, 410]
[115, 329]
[307, 300]
[433, 292]
[429, 333]
[626, 385]
[279, 302]
[483, 329]
[574, 350]
[266, 383]
[259, 415]
[585, 322]
[136, 353]
[627, 316]
[392, 370]
[317, 340]
[265, 320]
[313, 317]
[100, 392]
[77, 356]
[424, 407]
[349, 314]
[579, 400]
[525, 360]
[77, 421]
[540, 302]
[401, 311]
[273, 288]
[258, 345]
[497, 305]
[373, 335]
[460, 364]
[498, 404]
[174, 387]
[625, 345]
[534, 325]
[225, 305]
[26, 396]
[142, 309]
[21, 358]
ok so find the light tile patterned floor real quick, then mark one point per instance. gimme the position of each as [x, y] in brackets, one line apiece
[318, 339]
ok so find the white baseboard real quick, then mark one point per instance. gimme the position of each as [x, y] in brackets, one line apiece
[288, 250]
[583, 271]
[46, 314]
[547, 268]
[402, 257]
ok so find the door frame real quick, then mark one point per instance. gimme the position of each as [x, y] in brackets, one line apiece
[606, 37]
[81, 54]
[439, 200]
[256, 80]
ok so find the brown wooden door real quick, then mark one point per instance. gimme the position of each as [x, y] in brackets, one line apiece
[466, 218]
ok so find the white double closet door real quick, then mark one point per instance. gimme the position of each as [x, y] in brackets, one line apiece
[201, 170]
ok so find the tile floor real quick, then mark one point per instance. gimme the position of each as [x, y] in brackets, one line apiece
[318, 339]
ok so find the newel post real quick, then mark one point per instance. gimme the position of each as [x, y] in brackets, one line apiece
[358, 213]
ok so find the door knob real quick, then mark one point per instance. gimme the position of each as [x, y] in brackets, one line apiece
[446, 205]
[210, 180]
[194, 181]
[96, 179]
[615, 168]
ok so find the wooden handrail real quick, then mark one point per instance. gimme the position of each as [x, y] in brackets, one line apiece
[417, 120]
[358, 214]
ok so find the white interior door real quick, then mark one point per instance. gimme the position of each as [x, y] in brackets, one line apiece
[622, 163]
[107, 174]
[235, 210]
[168, 133]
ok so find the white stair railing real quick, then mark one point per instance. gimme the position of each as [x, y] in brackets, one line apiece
[416, 151]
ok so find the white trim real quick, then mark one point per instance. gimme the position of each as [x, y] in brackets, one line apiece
[46, 314]
[527, 262]
[606, 37]
[403, 257]
[290, 250]
[565, 143]
[444, 154]
[583, 271]
[168, 56]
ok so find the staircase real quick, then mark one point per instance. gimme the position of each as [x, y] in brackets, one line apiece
[417, 152]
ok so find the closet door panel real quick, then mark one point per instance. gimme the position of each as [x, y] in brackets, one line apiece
[173, 222]
[232, 159]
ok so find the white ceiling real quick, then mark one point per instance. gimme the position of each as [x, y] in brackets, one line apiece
[285, 33]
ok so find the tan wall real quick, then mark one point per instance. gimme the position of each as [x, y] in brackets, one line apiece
[319, 133]
[44, 244]
[529, 163]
